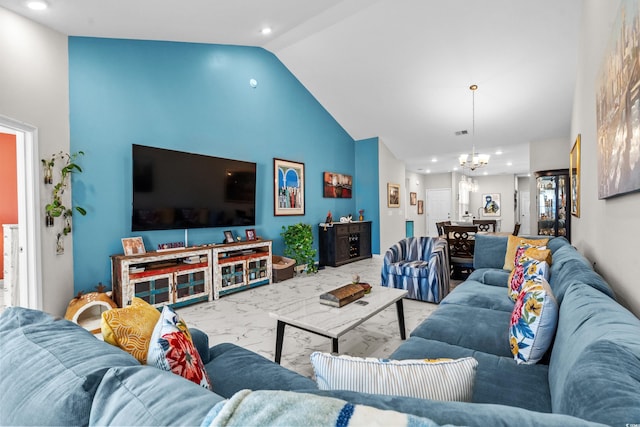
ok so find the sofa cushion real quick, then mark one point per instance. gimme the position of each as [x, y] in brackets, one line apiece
[594, 370]
[415, 268]
[234, 368]
[556, 243]
[475, 328]
[171, 349]
[533, 321]
[130, 327]
[490, 276]
[476, 294]
[50, 369]
[489, 251]
[512, 247]
[499, 380]
[440, 379]
[147, 396]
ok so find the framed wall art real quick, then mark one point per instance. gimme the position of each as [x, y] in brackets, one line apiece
[617, 98]
[420, 207]
[393, 195]
[491, 204]
[337, 185]
[574, 178]
[288, 191]
[412, 198]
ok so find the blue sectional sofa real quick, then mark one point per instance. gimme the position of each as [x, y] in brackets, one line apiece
[52, 372]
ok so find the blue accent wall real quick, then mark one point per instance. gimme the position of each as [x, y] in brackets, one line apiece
[366, 185]
[195, 98]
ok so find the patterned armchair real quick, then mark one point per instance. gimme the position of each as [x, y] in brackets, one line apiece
[420, 265]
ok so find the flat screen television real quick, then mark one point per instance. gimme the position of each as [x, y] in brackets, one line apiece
[178, 190]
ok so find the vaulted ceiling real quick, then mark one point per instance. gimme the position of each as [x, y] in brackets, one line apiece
[396, 69]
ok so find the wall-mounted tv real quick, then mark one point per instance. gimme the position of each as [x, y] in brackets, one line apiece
[178, 190]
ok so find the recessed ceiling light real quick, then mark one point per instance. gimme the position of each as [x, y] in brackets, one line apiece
[428, 170]
[455, 168]
[509, 163]
[266, 31]
[485, 173]
[498, 152]
[37, 5]
[434, 160]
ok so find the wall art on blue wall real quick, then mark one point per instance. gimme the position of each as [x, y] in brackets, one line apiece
[337, 185]
[289, 187]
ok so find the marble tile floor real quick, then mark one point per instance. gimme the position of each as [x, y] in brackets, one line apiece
[243, 318]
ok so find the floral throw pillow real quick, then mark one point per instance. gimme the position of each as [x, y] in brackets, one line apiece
[530, 261]
[533, 321]
[172, 349]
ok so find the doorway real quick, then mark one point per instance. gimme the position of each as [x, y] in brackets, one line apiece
[29, 248]
[438, 208]
[525, 216]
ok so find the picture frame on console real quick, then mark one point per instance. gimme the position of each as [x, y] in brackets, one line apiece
[228, 236]
[133, 246]
[574, 175]
[288, 191]
[250, 233]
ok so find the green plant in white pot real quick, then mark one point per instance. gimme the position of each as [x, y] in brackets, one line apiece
[298, 244]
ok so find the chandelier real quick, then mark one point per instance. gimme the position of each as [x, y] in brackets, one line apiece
[475, 160]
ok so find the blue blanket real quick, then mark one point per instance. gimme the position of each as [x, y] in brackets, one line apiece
[285, 408]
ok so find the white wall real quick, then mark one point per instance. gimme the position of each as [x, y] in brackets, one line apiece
[392, 220]
[416, 182]
[503, 184]
[607, 231]
[34, 88]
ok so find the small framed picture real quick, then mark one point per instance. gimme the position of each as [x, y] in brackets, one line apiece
[251, 233]
[412, 198]
[133, 246]
[393, 195]
[228, 237]
[420, 207]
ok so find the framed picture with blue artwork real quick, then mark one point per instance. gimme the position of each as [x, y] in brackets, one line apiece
[288, 192]
[491, 204]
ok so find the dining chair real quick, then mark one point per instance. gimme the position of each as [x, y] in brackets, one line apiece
[440, 227]
[516, 229]
[461, 240]
[488, 225]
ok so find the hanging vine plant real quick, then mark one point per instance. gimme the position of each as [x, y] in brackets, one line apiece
[57, 207]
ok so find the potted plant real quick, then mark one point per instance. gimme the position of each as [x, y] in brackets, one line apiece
[298, 242]
[57, 208]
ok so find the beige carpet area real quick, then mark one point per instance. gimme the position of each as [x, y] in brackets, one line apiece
[243, 318]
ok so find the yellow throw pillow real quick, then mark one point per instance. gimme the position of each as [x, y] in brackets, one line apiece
[539, 254]
[512, 247]
[130, 328]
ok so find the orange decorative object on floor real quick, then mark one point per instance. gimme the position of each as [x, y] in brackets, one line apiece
[85, 309]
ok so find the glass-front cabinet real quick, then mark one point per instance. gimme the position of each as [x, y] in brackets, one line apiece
[552, 190]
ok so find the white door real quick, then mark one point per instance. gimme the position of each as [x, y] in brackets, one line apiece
[438, 208]
[525, 215]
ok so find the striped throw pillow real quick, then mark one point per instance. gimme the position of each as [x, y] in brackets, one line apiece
[438, 379]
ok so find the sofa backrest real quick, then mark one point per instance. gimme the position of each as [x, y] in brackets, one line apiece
[490, 250]
[50, 369]
[594, 370]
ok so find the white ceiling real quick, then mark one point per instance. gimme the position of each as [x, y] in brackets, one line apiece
[397, 69]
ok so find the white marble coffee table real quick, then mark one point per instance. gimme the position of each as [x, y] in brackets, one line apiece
[333, 322]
